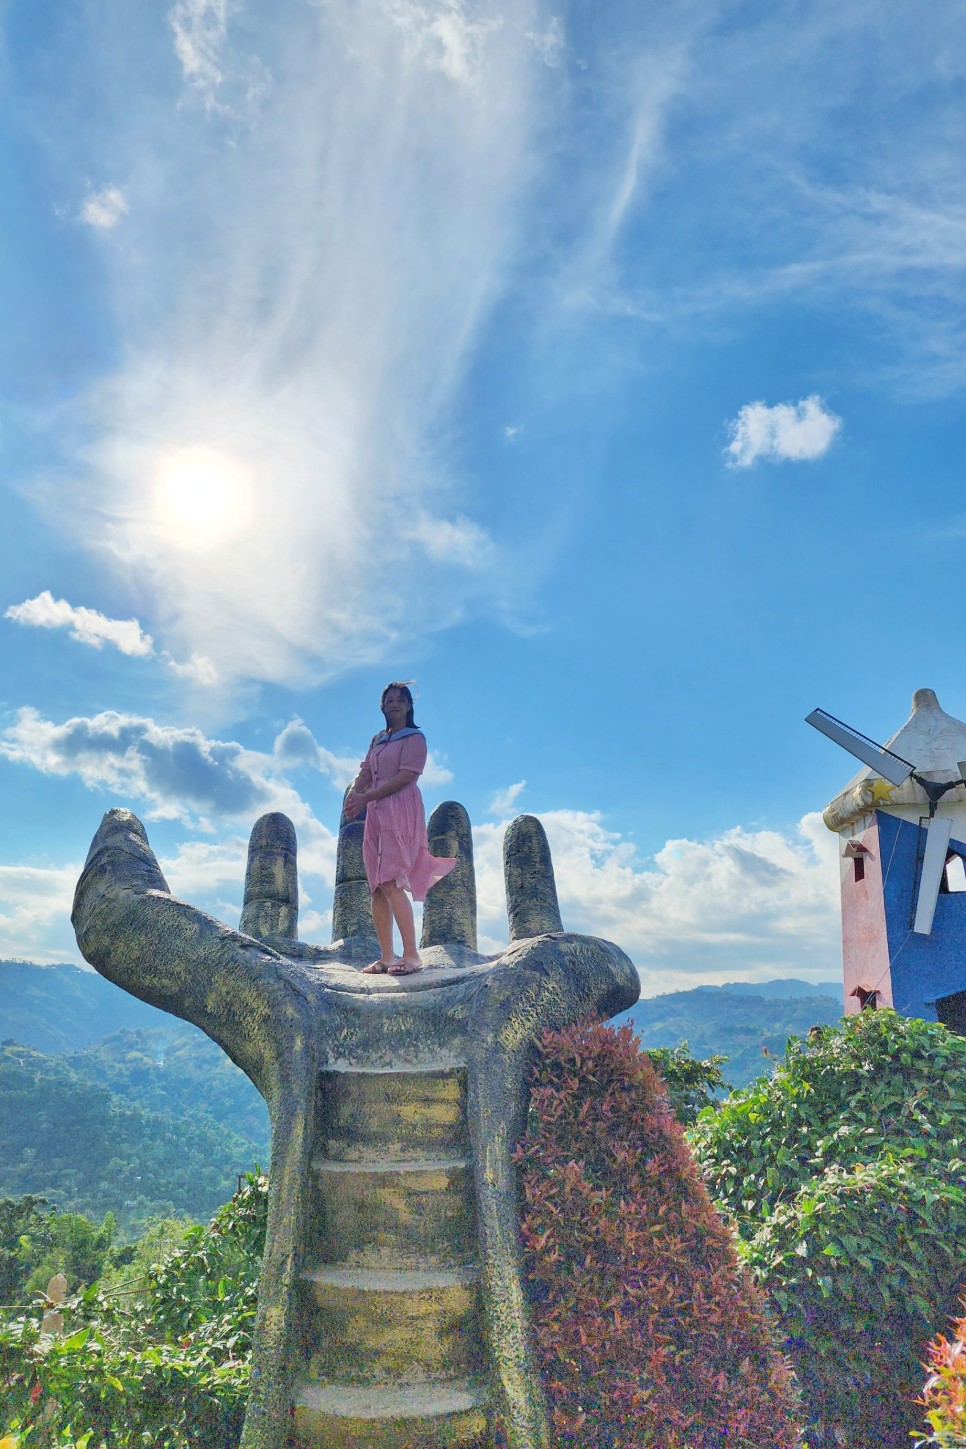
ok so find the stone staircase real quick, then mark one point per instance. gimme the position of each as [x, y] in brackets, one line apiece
[392, 1348]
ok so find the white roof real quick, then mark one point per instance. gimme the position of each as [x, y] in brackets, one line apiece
[931, 740]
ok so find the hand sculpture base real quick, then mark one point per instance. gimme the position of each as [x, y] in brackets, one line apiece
[392, 1309]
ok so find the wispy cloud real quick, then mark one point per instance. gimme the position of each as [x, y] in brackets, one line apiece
[320, 278]
[105, 208]
[200, 28]
[796, 432]
[504, 801]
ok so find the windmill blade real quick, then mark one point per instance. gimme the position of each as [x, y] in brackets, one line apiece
[890, 766]
[938, 832]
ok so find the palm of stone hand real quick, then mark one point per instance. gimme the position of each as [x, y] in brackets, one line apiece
[369, 1333]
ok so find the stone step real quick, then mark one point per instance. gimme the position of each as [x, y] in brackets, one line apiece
[377, 1116]
[425, 1416]
[366, 1326]
[407, 1214]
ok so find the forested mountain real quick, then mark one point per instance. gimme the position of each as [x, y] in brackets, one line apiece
[749, 1030]
[109, 1104]
[65, 1009]
[175, 1068]
[84, 1148]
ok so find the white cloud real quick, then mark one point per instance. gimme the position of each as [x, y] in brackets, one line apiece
[443, 37]
[511, 431]
[797, 432]
[87, 626]
[549, 42]
[457, 542]
[200, 28]
[747, 904]
[105, 208]
[197, 668]
[179, 773]
[504, 801]
[35, 906]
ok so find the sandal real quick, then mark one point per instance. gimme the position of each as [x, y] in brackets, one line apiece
[380, 967]
[402, 967]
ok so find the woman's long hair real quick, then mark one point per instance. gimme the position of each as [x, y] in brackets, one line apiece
[404, 690]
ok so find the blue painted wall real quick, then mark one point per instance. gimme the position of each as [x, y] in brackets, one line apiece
[922, 967]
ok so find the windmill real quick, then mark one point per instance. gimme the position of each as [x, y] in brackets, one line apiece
[895, 769]
[902, 825]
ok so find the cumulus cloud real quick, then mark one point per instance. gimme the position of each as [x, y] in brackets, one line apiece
[746, 904]
[797, 432]
[178, 772]
[105, 208]
[87, 626]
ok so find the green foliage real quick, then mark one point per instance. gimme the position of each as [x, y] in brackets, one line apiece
[22, 1226]
[750, 1030]
[944, 1394]
[83, 1148]
[691, 1085]
[845, 1174]
[161, 1359]
[648, 1333]
[178, 1070]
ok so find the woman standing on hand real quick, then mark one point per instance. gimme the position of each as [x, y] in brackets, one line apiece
[395, 849]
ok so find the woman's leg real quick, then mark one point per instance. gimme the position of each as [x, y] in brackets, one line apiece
[382, 920]
[402, 910]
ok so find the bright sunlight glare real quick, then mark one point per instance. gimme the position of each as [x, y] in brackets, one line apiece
[204, 496]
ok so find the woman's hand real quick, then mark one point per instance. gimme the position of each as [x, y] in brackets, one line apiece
[355, 803]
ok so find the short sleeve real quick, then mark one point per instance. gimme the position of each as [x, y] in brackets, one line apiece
[412, 754]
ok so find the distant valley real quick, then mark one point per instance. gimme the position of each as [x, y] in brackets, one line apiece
[107, 1103]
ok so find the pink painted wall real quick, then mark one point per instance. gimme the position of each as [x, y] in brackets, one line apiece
[865, 946]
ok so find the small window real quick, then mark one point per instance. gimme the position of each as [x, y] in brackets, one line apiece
[954, 875]
[868, 1000]
[859, 864]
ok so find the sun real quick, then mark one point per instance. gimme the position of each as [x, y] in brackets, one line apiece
[203, 495]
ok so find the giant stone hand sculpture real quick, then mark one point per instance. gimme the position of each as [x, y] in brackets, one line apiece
[392, 1309]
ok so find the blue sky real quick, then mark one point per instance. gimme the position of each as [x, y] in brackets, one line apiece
[600, 367]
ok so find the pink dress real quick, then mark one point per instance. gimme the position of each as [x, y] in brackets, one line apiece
[394, 844]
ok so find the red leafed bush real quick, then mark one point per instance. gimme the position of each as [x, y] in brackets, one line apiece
[648, 1332]
[944, 1397]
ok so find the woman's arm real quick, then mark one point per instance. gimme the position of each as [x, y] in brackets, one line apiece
[388, 787]
[358, 799]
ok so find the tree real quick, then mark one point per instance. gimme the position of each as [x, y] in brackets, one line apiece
[844, 1173]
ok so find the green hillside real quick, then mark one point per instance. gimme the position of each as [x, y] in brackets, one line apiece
[175, 1068]
[65, 1009]
[748, 1030]
[83, 1148]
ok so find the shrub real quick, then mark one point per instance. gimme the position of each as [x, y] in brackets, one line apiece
[648, 1332]
[944, 1396]
[845, 1172]
[162, 1360]
[691, 1084]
